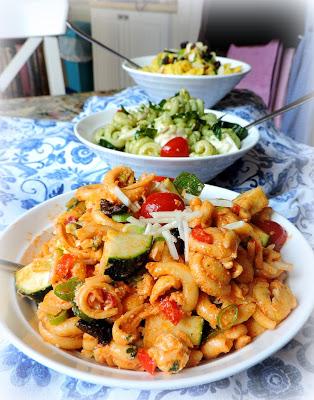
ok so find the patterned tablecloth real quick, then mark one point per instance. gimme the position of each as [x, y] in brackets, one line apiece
[40, 159]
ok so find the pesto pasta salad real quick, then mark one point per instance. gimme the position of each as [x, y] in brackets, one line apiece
[147, 275]
[191, 59]
[176, 127]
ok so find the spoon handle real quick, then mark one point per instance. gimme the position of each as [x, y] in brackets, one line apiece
[9, 266]
[282, 110]
[90, 39]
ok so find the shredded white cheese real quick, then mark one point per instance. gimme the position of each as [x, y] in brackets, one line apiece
[221, 202]
[170, 240]
[234, 225]
[124, 199]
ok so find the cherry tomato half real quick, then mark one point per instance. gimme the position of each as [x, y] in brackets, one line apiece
[201, 235]
[171, 310]
[277, 234]
[161, 201]
[146, 361]
[176, 147]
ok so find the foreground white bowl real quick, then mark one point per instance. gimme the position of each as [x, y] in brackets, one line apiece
[210, 88]
[205, 168]
[18, 315]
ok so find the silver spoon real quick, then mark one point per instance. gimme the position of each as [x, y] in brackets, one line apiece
[90, 39]
[282, 110]
[9, 266]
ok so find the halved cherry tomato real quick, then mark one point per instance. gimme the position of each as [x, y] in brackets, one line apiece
[161, 201]
[161, 178]
[64, 267]
[176, 147]
[277, 234]
[146, 361]
[171, 310]
[201, 235]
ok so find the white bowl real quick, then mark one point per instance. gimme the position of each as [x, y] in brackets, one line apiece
[205, 168]
[19, 321]
[210, 88]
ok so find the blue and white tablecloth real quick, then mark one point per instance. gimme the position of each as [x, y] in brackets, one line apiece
[40, 159]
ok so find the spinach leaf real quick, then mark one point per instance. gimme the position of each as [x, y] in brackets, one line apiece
[149, 132]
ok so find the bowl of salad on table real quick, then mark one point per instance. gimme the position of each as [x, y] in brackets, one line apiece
[193, 67]
[175, 134]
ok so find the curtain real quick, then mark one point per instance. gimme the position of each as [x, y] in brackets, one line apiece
[299, 123]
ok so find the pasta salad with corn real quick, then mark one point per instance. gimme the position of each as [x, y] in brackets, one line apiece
[146, 275]
[191, 59]
[176, 127]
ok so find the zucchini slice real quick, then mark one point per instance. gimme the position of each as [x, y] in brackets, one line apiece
[33, 280]
[127, 252]
[264, 237]
[155, 325]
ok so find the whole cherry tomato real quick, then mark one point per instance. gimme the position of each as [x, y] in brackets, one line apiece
[161, 201]
[277, 234]
[176, 147]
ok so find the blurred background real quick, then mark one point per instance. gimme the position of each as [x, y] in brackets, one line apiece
[275, 37]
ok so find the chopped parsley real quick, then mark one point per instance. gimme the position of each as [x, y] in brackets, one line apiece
[132, 351]
[175, 366]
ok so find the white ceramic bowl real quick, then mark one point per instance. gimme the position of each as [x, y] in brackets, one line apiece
[18, 315]
[205, 168]
[210, 88]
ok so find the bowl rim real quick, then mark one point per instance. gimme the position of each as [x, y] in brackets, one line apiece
[127, 67]
[252, 131]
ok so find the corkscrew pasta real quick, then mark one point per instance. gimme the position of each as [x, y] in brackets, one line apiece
[148, 275]
[148, 129]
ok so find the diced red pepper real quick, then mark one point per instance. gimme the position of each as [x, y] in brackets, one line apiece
[146, 361]
[161, 178]
[236, 209]
[201, 235]
[64, 267]
[71, 219]
[171, 310]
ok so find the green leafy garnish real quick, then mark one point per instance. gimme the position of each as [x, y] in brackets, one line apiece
[104, 143]
[189, 183]
[239, 130]
[149, 132]
[132, 351]
[124, 110]
[175, 366]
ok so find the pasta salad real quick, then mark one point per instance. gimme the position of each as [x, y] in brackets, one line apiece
[146, 275]
[176, 127]
[191, 59]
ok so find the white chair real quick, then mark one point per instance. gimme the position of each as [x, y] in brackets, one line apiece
[37, 21]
